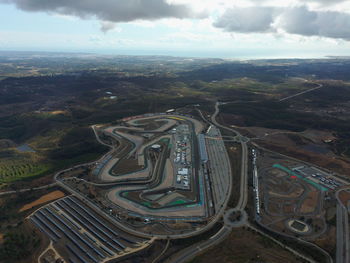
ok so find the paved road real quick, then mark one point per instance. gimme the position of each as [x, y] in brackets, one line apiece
[162, 253]
[301, 93]
[98, 138]
[340, 178]
[220, 168]
[191, 252]
[343, 235]
[132, 231]
[244, 164]
[28, 189]
[194, 250]
[296, 253]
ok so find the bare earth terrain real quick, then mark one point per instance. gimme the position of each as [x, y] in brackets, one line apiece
[42, 200]
[245, 246]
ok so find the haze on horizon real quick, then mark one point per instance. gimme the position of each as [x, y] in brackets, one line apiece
[203, 28]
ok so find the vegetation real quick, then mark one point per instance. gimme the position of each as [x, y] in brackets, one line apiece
[49, 103]
[14, 169]
[244, 245]
[18, 245]
[52, 107]
[55, 149]
[10, 205]
[342, 145]
[275, 115]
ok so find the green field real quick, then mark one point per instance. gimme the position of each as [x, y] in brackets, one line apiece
[177, 202]
[148, 204]
[13, 169]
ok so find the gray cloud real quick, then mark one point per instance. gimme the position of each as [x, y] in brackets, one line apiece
[299, 20]
[107, 26]
[247, 20]
[326, 2]
[304, 22]
[107, 10]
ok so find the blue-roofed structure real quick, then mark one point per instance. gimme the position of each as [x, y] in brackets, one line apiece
[202, 148]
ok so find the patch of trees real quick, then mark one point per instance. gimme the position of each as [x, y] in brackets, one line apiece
[329, 95]
[271, 73]
[18, 246]
[342, 144]
[276, 115]
[22, 127]
[78, 141]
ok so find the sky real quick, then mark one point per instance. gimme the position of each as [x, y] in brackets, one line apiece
[196, 28]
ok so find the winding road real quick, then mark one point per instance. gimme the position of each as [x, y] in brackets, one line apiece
[192, 251]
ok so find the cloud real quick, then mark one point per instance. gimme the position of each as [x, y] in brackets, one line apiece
[108, 10]
[247, 20]
[293, 16]
[304, 22]
[109, 26]
[293, 20]
[326, 2]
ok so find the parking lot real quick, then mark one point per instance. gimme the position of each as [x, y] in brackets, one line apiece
[318, 176]
[219, 164]
[80, 234]
[182, 153]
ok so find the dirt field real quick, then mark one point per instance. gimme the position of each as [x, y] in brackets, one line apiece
[288, 208]
[58, 112]
[278, 173]
[310, 203]
[126, 166]
[294, 194]
[274, 208]
[344, 196]
[328, 242]
[45, 198]
[246, 246]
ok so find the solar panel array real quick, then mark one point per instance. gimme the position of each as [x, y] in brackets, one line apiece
[87, 236]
